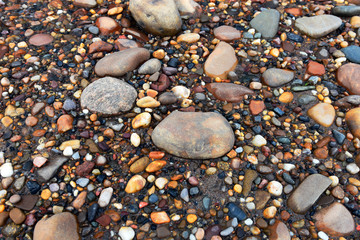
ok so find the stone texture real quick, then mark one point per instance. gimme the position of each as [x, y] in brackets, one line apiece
[61, 226]
[318, 26]
[227, 33]
[352, 119]
[315, 68]
[196, 135]
[108, 96]
[267, 23]
[159, 17]
[335, 220]
[221, 61]
[276, 77]
[150, 66]
[229, 92]
[119, 63]
[347, 76]
[307, 193]
[41, 39]
[323, 114]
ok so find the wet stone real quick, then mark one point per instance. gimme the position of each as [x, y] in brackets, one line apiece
[227, 33]
[275, 77]
[41, 39]
[194, 135]
[335, 220]
[119, 63]
[318, 26]
[98, 97]
[157, 17]
[61, 224]
[306, 194]
[221, 61]
[346, 11]
[352, 53]
[267, 23]
[228, 92]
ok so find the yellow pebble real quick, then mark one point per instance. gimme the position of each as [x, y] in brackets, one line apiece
[191, 218]
[27, 56]
[274, 52]
[2, 208]
[46, 194]
[238, 188]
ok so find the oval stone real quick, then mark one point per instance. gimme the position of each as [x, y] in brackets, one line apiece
[229, 92]
[41, 39]
[221, 61]
[276, 77]
[119, 63]
[159, 17]
[108, 96]
[227, 33]
[196, 135]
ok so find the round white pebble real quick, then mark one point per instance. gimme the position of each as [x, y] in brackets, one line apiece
[126, 233]
[6, 170]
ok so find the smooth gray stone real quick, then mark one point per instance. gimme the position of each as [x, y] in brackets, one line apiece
[308, 192]
[267, 23]
[318, 26]
[346, 11]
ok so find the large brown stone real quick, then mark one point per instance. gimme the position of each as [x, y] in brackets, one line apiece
[107, 25]
[227, 33]
[276, 77]
[108, 96]
[62, 226]
[196, 135]
[335, 220]
[221, 61]
[229, 92]
[352, 119]
[323, 114]
[159, 17]
[306, 194]
[119, 63]
[347, 76]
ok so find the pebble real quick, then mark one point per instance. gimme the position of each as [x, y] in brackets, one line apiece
[227, 33]
[221, 61]
[6, 170]
[119, 63]
[61, 224]
[335, 220]
[98, 97]
[161, 18]
[228, 92]
[307, 193]
[267, 23]
[318, 26]
[150, 66]
[126, 233]
[275, 77]
[135, 184]
[323, 114]
[213, 139]
[352, 119]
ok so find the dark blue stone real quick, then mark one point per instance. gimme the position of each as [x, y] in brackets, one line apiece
[278, 111]
[33, 187]
[173, 62]
[294, 37]
[236, 211]
[339, 137]
[92, 210]
[153, 198]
